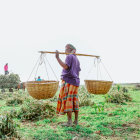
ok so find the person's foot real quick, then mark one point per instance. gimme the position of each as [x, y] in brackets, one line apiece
[66, 124]
[75, 123]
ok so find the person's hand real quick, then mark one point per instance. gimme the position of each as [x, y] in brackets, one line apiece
[57, 54]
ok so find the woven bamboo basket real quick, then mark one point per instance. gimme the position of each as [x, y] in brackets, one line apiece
[98, 87]
[42, 89]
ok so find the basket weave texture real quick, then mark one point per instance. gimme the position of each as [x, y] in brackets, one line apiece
[97, 86]
[42, 89]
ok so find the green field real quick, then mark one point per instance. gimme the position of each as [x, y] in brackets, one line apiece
[99, 121]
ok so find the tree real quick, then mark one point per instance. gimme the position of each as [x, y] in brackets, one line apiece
[9, 81]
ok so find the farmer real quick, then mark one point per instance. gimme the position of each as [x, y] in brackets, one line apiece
[68, 99]
[6, 69]
[38, 79]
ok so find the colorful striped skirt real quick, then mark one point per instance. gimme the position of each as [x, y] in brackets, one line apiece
[68, 99]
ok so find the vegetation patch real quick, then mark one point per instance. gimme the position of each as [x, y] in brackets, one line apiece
[85, 99]
[34, 110]
[14, 101]
[137, 87]
[118, 97]
[7, 127]
[102, 120]
[9, 81]
[5, 95]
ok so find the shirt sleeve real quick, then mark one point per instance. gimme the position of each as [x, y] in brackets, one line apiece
[68, 60]
[79, 67]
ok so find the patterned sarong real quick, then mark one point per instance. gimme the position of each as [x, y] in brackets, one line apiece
[68, 99]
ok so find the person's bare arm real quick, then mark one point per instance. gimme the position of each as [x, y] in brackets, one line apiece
[62, 64]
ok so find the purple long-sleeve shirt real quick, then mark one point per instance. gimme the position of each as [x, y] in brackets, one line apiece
[71, 75]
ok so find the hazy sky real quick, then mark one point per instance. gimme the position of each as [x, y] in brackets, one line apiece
[108, 28]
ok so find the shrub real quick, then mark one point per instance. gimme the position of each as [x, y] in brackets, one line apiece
[5, 95]
[99, 107]
[54, 99]
[51, 110]
[14, 101]
[13, 113]
[7, 127]
[117, 97]
[137, 87]
[124, 89]
[84, 97]
[9, 81]
[118, 87]
[34, 110]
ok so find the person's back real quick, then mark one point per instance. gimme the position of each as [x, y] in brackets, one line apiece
[71, 75]
[6, 68]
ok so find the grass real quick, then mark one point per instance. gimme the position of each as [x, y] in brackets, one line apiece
[114, 122]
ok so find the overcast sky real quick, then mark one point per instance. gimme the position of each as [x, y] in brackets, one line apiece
[108, 28]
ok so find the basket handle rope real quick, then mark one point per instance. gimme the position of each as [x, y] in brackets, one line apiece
[87, 75]
[99, 71]
[96, 63]
[34, 68]
[106, 70]
[41, 61]
[38, 63]
[51, 68]
[98, 68]
[46, 68]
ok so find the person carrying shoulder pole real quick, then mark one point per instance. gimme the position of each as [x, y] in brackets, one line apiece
[68, 97]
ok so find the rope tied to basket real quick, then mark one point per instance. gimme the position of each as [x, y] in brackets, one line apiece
[42, 89]
[42, 59]
[98, 86]
[96, 64]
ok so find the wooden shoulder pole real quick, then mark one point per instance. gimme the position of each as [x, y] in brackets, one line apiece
[70, 53]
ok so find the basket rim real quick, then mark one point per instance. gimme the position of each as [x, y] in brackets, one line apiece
[42, 82]
[98, 81]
